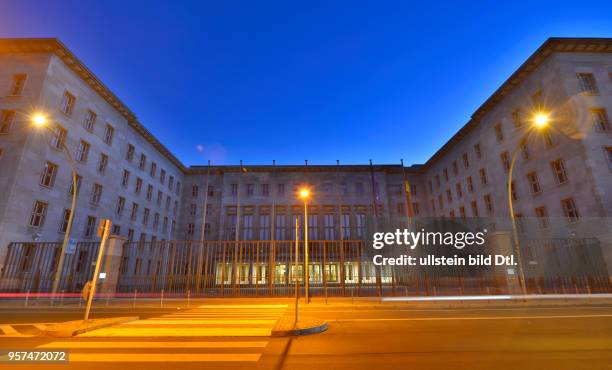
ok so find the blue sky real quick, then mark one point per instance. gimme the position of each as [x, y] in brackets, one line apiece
[257, 80]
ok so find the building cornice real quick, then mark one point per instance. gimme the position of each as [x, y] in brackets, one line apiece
[53, 45]
[550, 46]
[386, 168]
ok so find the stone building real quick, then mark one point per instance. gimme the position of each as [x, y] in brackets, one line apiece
[561, 182]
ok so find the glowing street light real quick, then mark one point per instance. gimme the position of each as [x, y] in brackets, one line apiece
[39, 120]
[304, 193]
[539, 122]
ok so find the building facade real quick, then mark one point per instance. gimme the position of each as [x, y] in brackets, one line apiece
[561, 185]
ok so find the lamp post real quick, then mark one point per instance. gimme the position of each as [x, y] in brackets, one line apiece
[305, 194]
[41, 121]
[539, 122]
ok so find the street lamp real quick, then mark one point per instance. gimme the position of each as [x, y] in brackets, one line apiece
[305, 194]
[40, 120]
[539, 121]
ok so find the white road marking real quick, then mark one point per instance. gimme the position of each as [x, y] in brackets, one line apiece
[471, 318]
[164, 357]
[173, 344]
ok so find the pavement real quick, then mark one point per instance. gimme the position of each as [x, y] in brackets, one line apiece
[234, 334]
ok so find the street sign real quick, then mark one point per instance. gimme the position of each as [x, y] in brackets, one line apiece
[71, 246]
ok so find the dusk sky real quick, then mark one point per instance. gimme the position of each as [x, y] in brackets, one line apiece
[257, 80]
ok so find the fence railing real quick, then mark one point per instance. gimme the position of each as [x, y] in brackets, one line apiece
[268, 268]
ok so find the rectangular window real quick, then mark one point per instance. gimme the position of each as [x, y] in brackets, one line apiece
[474, 206]
[190, 229]
[264, 227]
[466, 160]
[96, 194]
[78, 185]
[153, 169]
[524, 151]
[211, 191]
[82, 151]
[145, 216]
[445, 172]
[90, 120]
[168, 203]
[90, 226]
[281, 227]
[67, 104]
[18, 83]
[569, 209]
[234, 189]
[488, 203]
[517, 118]
[194, 191]
[345, 224]
[459, 191]
[534, 183]
[513, 191]
[462, 212]
[149, 192]
[600, 119]
[313, 227]
[125, 179]
[6, 121]
[505, 159]
[477, 150]
[470, 184]
[247, 227]
[64, 221]
[39, 211]
[138, 187]
[587, 83]
[156, 220]
[360, 221]
[250, 189]
[120, 206]
[129, 154]
[134, 212]
[143, 162]
[192, 209]
[449, 196]
[160, 195]
[102, 163]
[109, 133]
[280, 189]
[162, 176]
[116, 230]
[171, 183]
[328, 227]
[59, 137]
[499, 133]
[542, 215]
[483, 176]
[47, 178]
[265, 190]
[559, 173]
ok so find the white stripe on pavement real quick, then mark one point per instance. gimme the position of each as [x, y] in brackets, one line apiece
[164, 357]
[472, 318]
[173, 344]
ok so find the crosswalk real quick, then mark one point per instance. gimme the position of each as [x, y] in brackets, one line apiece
[207, 333]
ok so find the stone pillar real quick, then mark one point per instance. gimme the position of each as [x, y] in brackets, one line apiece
[112, 263]
[500, 242]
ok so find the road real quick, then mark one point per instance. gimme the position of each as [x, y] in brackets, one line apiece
[359, 337]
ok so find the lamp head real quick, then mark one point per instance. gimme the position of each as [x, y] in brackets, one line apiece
[304, 193]
[541, 120]
[39, 119]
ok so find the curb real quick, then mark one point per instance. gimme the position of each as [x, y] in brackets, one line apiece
[73, 328]
[286, 327]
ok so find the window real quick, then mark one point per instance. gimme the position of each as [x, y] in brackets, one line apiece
[211, 191]
[19, 80]
[156, 220]
[459, 191]
[569, 209]
[116, 230]
[39, 211]
[59, 137]
[524, 150]
[138, 187]
[499, 134]
[67, 104]
[153, 169]
[6, 120]
[477, 150]
[143, 162]
[513, 191]
[171, 183]
[145, 216]
[192, 209]
[194, 191]
[413, 190]
[264, 227]
[265, 190]
[449, 195]
[109, 133]
[234, 189]
[96, 194]
[517, 119]
[250, 189]
[159, 197]
[120, 206]
[90, 226]
[474, 206]
[505, 158]
[328, 226]
[149, 192]
[359, 188]
[125, 179]
[129, 155]
[134, 212]
[445, 171]
[587, 83]
[470, 184]
[247, 227]
[534, 183]
[168, 199]
[102, 163]
[190, 229]
[440, 201]
[600, 119]
[549, 139]
[466, 161]
[78, 185]
[483, 176]
[542, 215]
[63, 225]
[360, 225]
[559, 173]
[90, 120]
[462, 212]
[165, 225]
[437, 181]
[130, 235]
[281, 227]
[162, 176]
[82, 152]
[488, 203]
[608, 154]
[415, 208]
[47, 178]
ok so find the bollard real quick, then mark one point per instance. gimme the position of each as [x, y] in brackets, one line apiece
[135, 293]
[161, 300]
[27, 298]
[188, 297]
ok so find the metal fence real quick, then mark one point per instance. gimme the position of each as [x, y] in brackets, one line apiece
[268, 268]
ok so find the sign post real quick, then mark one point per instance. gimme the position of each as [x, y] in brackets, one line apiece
[103, 232]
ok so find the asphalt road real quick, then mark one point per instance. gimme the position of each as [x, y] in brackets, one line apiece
[367, 337]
